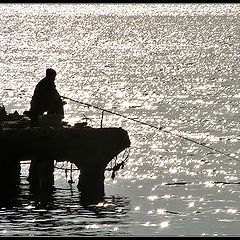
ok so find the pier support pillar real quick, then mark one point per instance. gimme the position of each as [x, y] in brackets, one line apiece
[41, 174]
[91, 184]
[10, 170]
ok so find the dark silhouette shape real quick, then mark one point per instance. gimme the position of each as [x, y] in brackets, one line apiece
[90, 149]
[46, 98]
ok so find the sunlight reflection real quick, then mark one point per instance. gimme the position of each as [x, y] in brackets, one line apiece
[116, 229]
[119, 210]
[29, 207]
[231, 178]
[152, 198]
[164, 224]
[154, 188]
[160, 211]
[102, 204]
[148, 224]
[232, 211]
[209, 184]
[191, 204]
[172, 170]
[127, 65]
[93, 226]
[166, 196]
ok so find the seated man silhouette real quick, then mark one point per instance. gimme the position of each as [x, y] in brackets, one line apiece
[46, 98]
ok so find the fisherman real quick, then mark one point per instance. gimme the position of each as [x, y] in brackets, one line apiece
[46, 98]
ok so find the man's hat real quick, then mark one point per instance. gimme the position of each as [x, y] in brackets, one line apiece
[51, 72]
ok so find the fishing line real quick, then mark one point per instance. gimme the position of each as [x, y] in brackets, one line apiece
[108, 111]
[155, 127]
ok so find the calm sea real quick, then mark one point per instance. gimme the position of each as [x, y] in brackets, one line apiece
[169, 65]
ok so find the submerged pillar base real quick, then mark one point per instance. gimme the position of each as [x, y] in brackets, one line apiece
[41, 174]
[91, 185]
[10, 173]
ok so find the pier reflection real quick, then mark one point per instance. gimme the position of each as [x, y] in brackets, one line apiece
[61, 210]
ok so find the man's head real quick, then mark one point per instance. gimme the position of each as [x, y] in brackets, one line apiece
[50, 73]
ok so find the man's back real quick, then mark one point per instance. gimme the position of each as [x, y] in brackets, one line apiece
[46, 99]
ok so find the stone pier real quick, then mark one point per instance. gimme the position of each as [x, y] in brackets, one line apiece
[90, 149]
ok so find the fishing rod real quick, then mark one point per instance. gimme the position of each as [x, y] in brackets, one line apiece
[155, 127]
[108, 111]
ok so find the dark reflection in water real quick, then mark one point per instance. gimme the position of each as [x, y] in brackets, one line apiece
[10, 199]
[58, 213]
[21, 195]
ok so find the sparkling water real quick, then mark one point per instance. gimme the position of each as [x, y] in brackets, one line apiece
[174, 66]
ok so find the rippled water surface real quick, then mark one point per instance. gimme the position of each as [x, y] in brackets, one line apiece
[174, 66]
